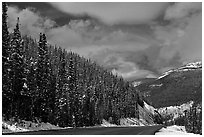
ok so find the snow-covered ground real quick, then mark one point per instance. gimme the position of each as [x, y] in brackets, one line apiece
[47, 126]
[173, 130]
[176, 111]
[194, 65]
[165, 74]
[107, 124]
[137, 83]
[13, 128]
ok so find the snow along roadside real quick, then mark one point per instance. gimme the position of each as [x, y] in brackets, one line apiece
[13, 128]
[173, 130]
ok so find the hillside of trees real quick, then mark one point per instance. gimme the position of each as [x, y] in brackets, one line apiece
[174, 89]
[46, 83]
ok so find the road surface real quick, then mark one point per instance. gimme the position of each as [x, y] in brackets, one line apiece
[144, 130]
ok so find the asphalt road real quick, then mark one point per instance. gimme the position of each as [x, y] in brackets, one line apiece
[144, 130]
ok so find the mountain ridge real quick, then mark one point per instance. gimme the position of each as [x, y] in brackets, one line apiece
[174, 87]
[188, 66]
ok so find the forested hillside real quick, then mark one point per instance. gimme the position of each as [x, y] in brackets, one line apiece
[46, 83]
[175, 89]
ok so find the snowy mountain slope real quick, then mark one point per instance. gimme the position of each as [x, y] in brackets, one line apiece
[187, 67]
[175, 87]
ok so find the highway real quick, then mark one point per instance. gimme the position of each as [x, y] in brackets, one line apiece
[143, 130]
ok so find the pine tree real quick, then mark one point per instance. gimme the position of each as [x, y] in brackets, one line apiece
[51, 86]
[30, 86]
[5, 40]
[42, 79]
[72, 89]
[6, 89]
[62, 109]
[17, 69]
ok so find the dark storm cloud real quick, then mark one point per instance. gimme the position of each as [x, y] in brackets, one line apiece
[43, 8]
[47, 10]
[115, 12]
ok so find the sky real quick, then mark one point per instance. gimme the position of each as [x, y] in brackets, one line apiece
[134, 40]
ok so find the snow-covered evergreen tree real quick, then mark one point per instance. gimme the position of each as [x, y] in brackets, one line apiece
[72, 89]
[43, 75]
[6, 89]
[17, 69]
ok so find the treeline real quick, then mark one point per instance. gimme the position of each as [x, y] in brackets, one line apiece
[47, 83]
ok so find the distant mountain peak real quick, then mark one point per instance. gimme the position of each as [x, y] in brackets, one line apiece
[187, 67]
[197, 64]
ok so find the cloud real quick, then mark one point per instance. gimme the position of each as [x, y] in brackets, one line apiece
[183, 36]
[131, 51]
[86, 38]
[122, 67]
[182, 9]
[114, 13]
[87, 35]
[30, 22]
[64, 36]
[125, 63]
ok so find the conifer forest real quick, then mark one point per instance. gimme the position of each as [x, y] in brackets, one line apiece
[45, 82]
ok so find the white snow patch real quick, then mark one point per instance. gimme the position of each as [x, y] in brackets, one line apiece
[130, 122]
[187, 67]
[156, 85]
[194, 65]
[107, 124]
[13, 128]
[176, 111]
[25, 85]
[173, 130]
[149, 108]
[165, 74]
[84, 96]
[137, 83]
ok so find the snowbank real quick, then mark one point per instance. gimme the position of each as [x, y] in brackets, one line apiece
[176, 111]
[13, 128]
[123, 122]
[173, 130]
[107, 124]
[23, 126]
